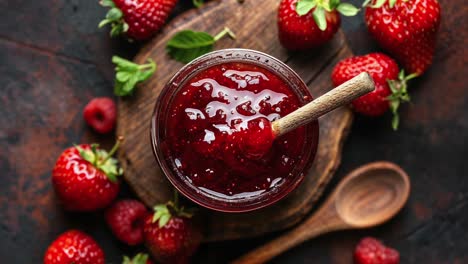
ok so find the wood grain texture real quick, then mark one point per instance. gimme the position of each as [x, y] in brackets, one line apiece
[255, 30]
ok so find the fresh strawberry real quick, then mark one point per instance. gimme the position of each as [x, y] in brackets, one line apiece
[390, 84]
[372, 251]
[139, 19]
[74, 247]
[406, 29]
[170, 234]
[101, 114]
[138, 259]
[85, 177]
[305, 24]
[125, 218]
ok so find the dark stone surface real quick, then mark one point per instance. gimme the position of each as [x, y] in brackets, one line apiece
[54, 60]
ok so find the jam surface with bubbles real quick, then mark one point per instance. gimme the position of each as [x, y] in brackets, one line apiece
[218, 131]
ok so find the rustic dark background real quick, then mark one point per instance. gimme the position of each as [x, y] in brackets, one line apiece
[53, 60]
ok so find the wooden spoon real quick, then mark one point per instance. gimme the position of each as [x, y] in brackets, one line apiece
[368, 196]
[341, 95]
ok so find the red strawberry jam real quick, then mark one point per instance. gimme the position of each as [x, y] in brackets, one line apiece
[219, 131]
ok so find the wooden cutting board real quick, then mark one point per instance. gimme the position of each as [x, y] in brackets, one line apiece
[254, 23]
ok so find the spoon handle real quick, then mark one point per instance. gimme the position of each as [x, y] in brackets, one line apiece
[335, 98]
[325, 220]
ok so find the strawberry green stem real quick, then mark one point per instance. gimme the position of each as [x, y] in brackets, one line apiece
[176, 198]
[113, 150]
[225, 31]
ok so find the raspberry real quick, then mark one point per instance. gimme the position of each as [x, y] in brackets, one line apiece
[372, 251]
[125, 218]
[101, 114]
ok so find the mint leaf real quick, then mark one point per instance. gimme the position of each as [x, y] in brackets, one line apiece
[188, 45]
[304, 6]
[347, 9]
[128, 74]
[197, 3]
[320, 19]
[392, 3]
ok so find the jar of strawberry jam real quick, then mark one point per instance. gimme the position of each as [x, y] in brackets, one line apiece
[211, 131]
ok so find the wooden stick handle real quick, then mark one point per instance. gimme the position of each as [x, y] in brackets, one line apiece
[325, 220]
[335, 98]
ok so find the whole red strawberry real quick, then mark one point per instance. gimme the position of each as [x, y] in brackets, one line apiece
[125, 218]
[407, 29]
[74, 247]
[372, 251]
[138, 259]
[85, 177]
[390, 85]
[139, 19]
[305, 24]
[170, 235]
[101, 114]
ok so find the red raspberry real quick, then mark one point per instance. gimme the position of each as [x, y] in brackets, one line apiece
[125, 218]
[101, 114]
[372, 251]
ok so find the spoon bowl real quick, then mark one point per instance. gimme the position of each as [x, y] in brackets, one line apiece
[372, 194]
[368, 196]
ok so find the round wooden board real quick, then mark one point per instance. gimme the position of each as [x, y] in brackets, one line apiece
[255, 27]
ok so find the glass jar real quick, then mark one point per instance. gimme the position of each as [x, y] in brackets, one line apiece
[213, 200]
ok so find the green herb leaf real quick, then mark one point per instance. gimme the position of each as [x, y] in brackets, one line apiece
[164, 219]
[114, 17]
[107, 3]
[198, 3]
[188, 45]
[391, 3]
[161, 214]
[332, 4]
[347, 9]
[378, 4]
[320, 19]
[304, 6]
[140, 258]
[128, 74]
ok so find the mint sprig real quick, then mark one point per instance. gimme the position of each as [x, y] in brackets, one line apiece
[321, 7]
[128, 74]
[187, 45]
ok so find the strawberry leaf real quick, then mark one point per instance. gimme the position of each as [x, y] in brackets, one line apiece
[320, 19]
[128, 74]
[140, 258]
[114, 17]
[188, 45]
[377, 4]
[333, 4]
[198, 3]
[304, 6]
[161, 215]
[399, 95]
[347, 9]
